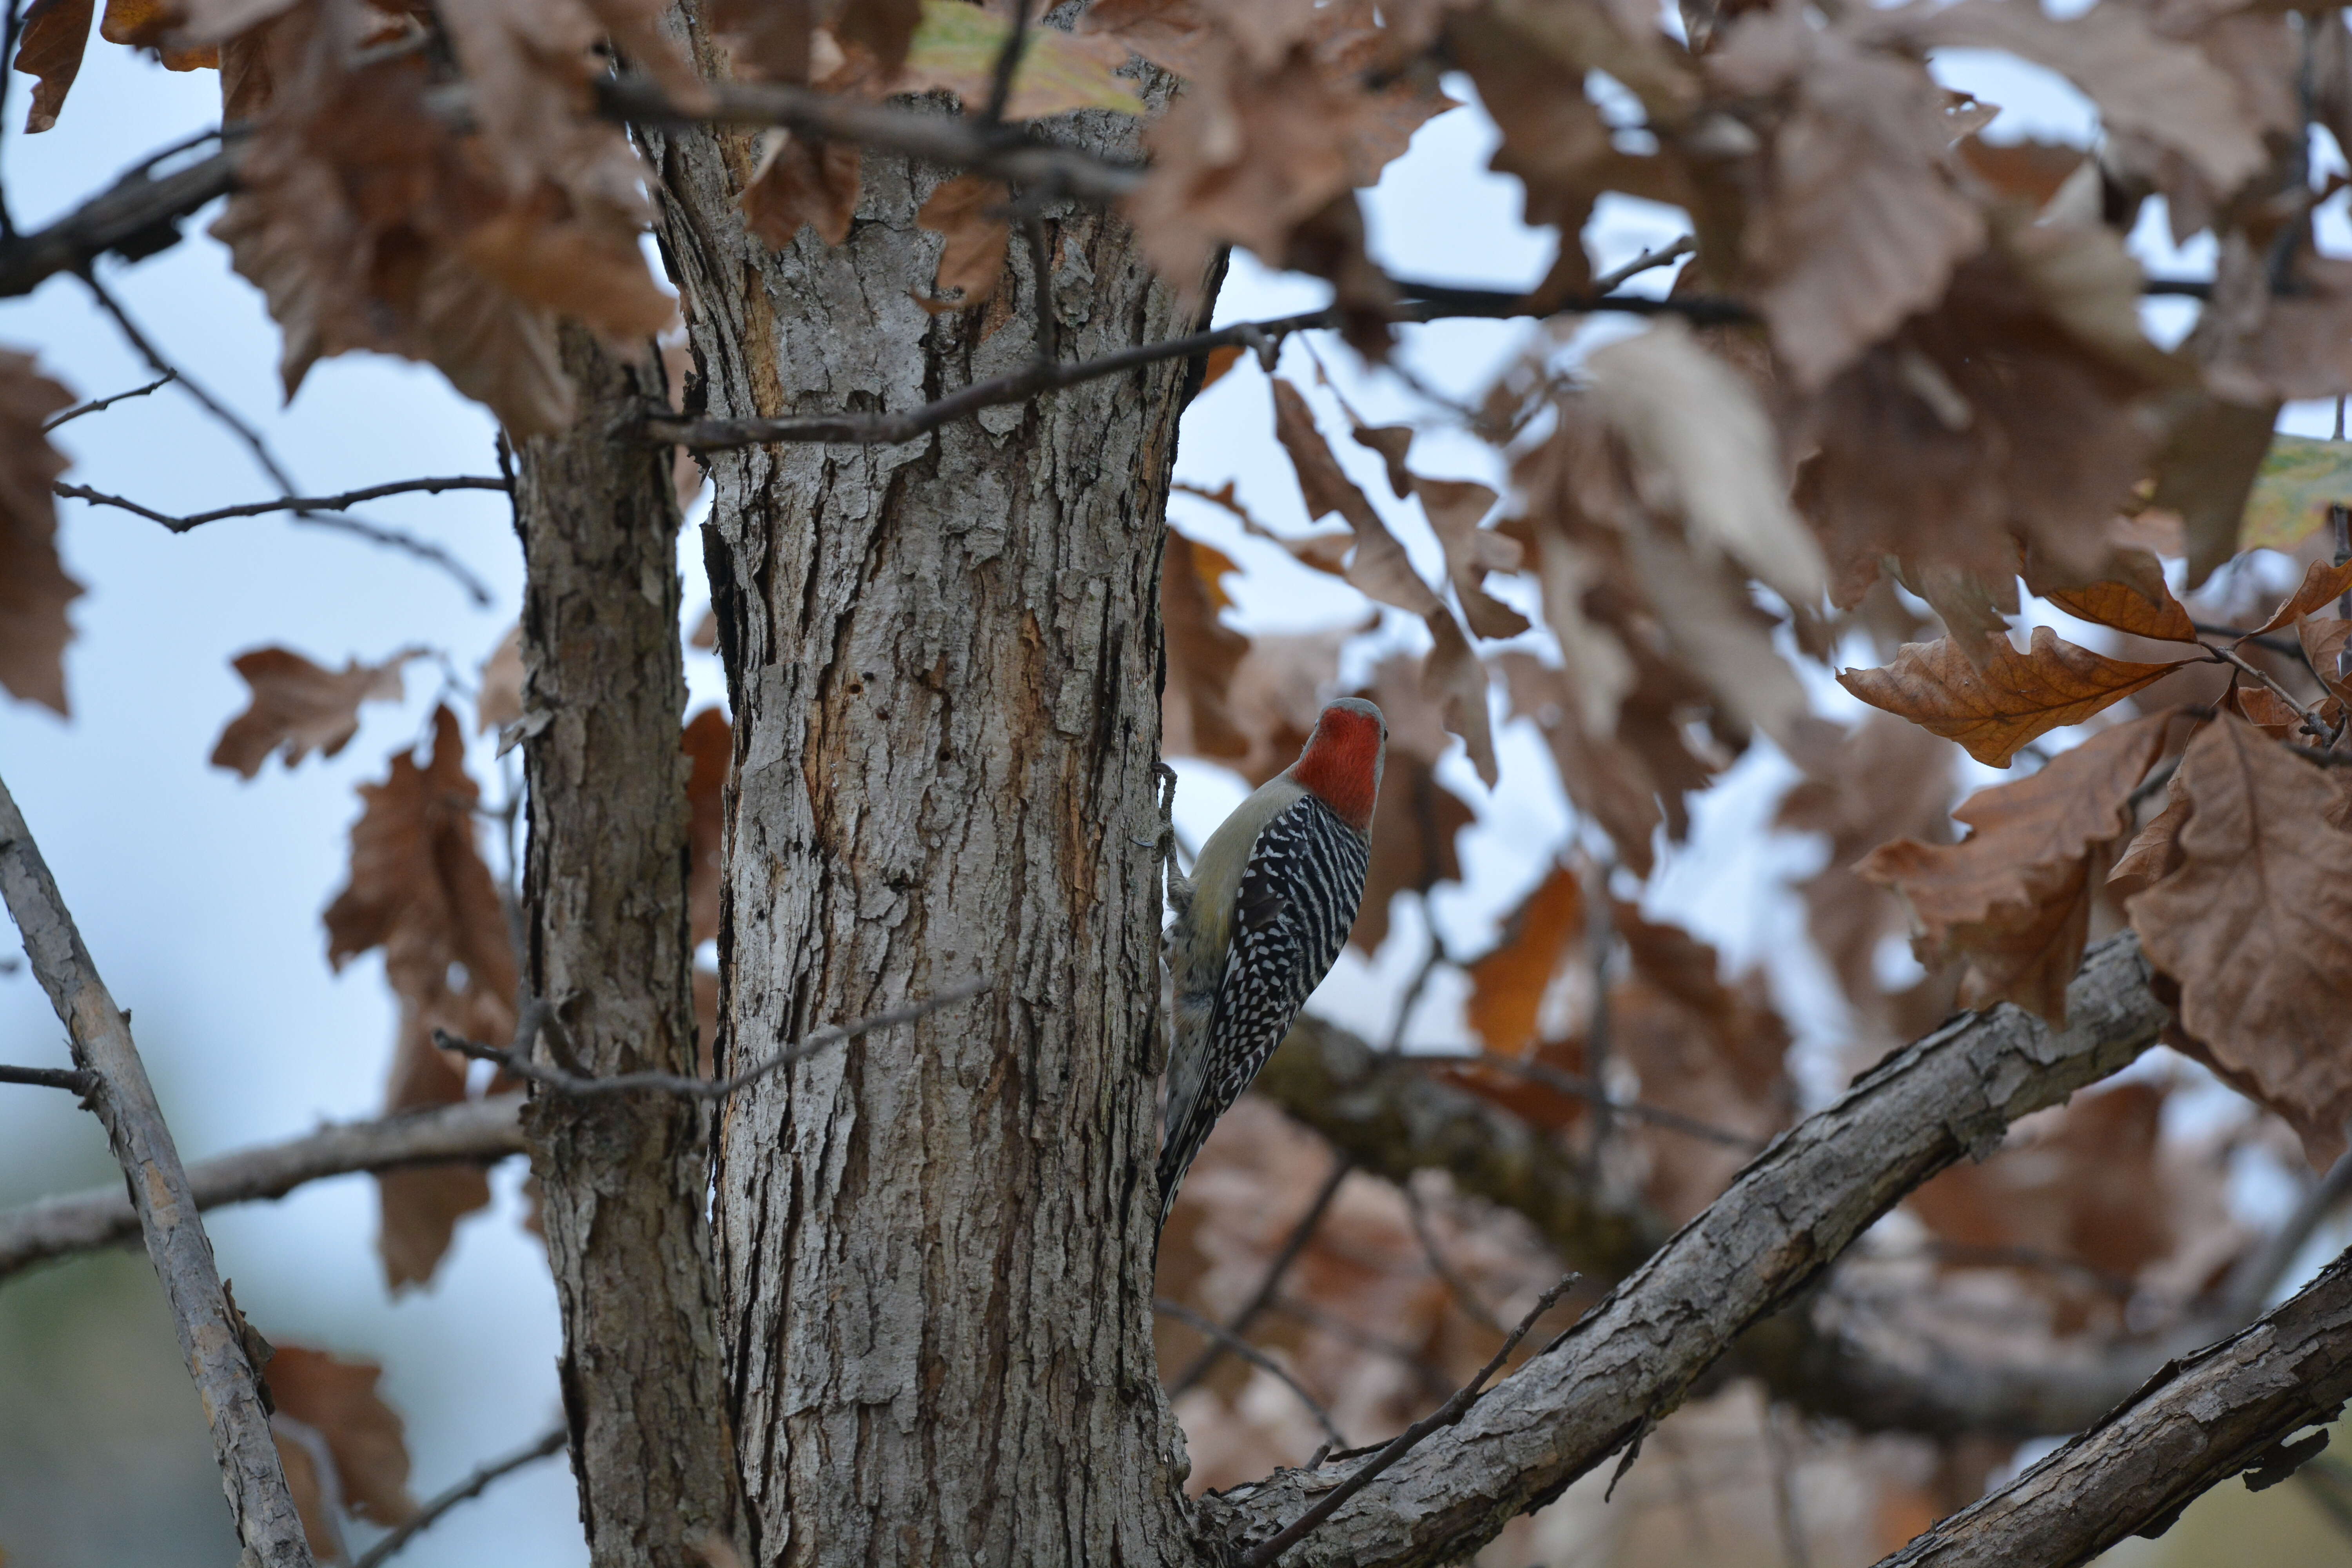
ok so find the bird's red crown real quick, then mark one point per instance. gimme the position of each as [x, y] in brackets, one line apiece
[1341, 763]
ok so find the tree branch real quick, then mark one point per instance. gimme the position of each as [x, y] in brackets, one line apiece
[1789, 1215]
[1424, 302]
[283, 503]
[316, 511]
[481, 1130]
[135, 218]
[49, 1077]
[473, 1485]
[208, 1326]
[96, 403]
[2227, 1409]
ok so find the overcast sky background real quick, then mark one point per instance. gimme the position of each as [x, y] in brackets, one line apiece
[200, 893]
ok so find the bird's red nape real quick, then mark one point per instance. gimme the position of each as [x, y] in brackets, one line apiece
[1343, 761]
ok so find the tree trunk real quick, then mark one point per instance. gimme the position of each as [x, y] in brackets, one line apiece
[624, 1177]
[935, 1244]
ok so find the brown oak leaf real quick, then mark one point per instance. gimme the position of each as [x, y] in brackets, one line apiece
[1380, 566]
[499, 701]
[970, 211]
[2013, 899]
[1508, 985]
[418, 1206]
[364, 1438]
[34, 587]
[299, 707]
[2012, 698]
[1859, 222]
[1203, 653]
[799, 181]
[2143, 605]
[2322, 581]
[2252, 918]
[419, 889]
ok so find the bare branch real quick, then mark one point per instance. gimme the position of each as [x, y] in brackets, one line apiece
[1200, 1323]
[2226, 1410]
[283, 503]
[96, 403]
[208, 1326]
[481, 1130]
[1446, 1414]
[473, 1485]
[565, 1081]
[316, 511]
[138, 340]
[49, 1077]
[1782, 1222]
[1269, 1287]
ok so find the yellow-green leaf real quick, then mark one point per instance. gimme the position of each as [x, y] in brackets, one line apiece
[2299, 480]
[957, 47]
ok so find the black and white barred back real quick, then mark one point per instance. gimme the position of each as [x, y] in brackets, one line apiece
[1299, 899]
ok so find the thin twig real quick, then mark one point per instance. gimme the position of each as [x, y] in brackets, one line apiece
[95, 403]
[1649, 260]
[72, 1079]
[1249, 1352]
[147, 351]
[1426, 302]
[473, 1485]
[306, 513]
[207, 1324]
[2319, 728]
[565, 1081]
[1585, 1088]
[1475, 1310]
[2286, 647]
[282, 503]
[1263, 1296]
[1452, 1411]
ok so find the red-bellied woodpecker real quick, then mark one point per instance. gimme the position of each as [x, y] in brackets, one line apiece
[1261, 920]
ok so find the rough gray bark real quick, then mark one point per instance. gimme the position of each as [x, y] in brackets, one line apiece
[481, 1130]
[2198, 1422]
[209, 1329]
[945, 669]
[607, 956]
[1631, 1360]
